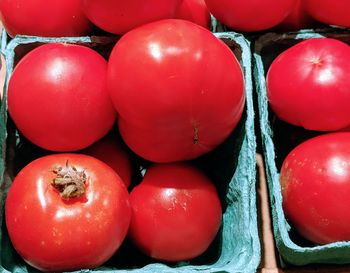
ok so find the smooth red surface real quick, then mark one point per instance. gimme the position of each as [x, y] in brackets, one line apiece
[195, 11]
[58, 98]
[53, 18]
[250, 15]
[308, 84]
[114, 154]
[315, 179]
[120, 16]
[329, 12]
[54, 234]
[177, 88]
[298, 19]
[176, 212]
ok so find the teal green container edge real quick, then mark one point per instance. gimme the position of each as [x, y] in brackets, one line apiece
[240, 251]
[335, 253]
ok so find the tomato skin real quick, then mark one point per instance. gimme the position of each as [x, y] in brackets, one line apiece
[119, 16]
[195, 11]
[54, 18]
[326, 11]
[58, 98]
[173, 105]
[114, 154]
[250, 15]
[54, 234]
[315, 179]
[297, 19]
[307, 85]
[176, 212]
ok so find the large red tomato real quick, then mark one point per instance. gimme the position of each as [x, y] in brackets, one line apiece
[52, 18]
[308, 86]
[120, 16]
[315, 180]
[329, 12]
[195, 11]
[178, 90]
[67, 212]
[250, 15]
[58, 98]
[298, 19]
[176, 212]
[114, 154]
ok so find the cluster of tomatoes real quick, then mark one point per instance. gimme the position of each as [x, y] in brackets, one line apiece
[307, 87]
[174, 91]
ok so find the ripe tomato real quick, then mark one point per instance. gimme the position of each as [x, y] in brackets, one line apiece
[329, 12]
[297, 19]
[307, 85]
[58, 98]
[176, 212]
[178, 90]
[120, 16]
[52, 18]
[114, 154]
[315, 180]
[250, 15]
[195, 11]
[67, 212]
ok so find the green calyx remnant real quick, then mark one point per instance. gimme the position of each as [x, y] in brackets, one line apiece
[69, 181]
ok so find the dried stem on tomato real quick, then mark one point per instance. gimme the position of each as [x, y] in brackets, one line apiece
[69, 181]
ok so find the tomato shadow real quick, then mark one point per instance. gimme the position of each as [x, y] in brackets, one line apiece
[286, 137]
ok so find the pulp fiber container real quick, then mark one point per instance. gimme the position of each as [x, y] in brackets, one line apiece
[278, 139]
[232, 166]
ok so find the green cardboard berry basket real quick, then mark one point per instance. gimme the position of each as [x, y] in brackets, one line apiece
[278, 139]
[232, 165]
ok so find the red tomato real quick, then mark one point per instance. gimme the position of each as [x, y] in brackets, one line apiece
[176, 212]
[329, 12]
[58, 97]
[52, 18]
[120, 16]
[250, 15]
[315, 179]
[178, 90]
[195, 11]
[115, 155]
[298, 18]
[67, 212]
[308, 86]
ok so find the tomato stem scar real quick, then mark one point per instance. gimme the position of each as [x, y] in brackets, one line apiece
[69, 181]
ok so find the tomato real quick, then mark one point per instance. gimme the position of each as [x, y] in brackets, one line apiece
[195, 11]
[120, 16]
[67, 212]
[176, 212]
[250, 15]
[298, 18]
[307, 85]
[58, 98]
[315, 180]
[329, 12]
[177, 88]
[114, 154]
[52, 18]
